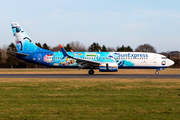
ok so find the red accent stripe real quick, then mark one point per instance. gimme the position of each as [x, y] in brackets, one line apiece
[60, 46]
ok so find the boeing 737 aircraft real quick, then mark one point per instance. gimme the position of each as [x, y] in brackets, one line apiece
[104, 61]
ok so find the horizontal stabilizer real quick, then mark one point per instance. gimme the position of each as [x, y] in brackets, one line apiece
[16, 53]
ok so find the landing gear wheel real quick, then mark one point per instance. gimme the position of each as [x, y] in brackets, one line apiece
[157, 73]
[91, 72]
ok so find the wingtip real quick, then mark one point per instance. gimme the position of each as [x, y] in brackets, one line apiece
[60, 46]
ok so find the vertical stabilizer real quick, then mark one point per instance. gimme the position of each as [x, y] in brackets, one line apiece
[23, 42]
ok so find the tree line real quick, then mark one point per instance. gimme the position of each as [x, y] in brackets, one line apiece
[9, 60]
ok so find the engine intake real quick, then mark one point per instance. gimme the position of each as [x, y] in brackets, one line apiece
[108, 67]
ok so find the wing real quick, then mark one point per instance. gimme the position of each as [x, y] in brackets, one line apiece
[83, 62]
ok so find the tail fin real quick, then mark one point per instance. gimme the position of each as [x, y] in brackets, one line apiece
[23, 42]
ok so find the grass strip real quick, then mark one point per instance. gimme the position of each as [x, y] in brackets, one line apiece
[28, 98]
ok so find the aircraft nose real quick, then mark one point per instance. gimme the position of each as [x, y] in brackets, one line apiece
[171, 62]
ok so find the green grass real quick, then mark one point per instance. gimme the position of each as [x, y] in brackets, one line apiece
[89, 99]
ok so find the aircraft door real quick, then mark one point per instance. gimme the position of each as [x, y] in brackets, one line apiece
[39, 58]
[155, 59]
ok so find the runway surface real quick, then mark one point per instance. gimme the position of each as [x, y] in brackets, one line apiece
[141, 76]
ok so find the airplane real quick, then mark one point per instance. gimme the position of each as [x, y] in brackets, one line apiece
[104, 61]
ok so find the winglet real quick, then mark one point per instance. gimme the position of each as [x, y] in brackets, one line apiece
[63, 51]
[60, 46]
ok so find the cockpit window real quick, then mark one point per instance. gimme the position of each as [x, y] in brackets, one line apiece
[163, 57]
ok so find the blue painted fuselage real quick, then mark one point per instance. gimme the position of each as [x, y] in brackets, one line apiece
[136, 60]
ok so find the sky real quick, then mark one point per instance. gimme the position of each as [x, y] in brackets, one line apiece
[108, 22]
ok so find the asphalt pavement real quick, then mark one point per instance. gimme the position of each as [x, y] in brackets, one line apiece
[140, 76]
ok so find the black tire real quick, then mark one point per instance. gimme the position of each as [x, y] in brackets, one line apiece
[91, 72]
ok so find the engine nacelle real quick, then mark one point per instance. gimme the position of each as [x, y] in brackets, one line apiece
[108, 67]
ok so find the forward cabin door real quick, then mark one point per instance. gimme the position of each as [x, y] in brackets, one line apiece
[154, 58]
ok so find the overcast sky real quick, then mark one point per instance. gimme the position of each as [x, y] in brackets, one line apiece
[108, 22]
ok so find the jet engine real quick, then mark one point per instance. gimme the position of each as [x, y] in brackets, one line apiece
[108, 67]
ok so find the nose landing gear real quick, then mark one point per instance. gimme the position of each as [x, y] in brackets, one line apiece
[157, 73]
[91, 72]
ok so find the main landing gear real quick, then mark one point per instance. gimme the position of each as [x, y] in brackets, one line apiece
[91, 72]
